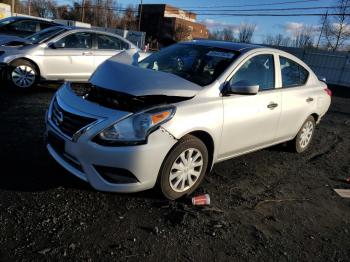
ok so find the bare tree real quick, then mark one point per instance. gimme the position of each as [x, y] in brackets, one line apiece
[246, 32]
[129, 19]
[182, 32]
[277, 40]
[44, 8]
[337, 27]
[216, 35]
[304, 38]
[226, 34]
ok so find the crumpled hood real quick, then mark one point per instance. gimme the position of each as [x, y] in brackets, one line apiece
[138, 81]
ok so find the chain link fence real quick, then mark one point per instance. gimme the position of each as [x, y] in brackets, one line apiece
[334, 66]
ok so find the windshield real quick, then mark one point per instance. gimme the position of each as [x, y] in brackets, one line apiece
[198, 64]
[45, 35]
[6, 21]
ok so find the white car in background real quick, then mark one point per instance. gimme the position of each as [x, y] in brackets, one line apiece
[60, 53]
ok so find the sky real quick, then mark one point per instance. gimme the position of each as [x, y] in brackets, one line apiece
[265, 25]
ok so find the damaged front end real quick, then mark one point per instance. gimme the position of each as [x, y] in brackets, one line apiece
[122, 101]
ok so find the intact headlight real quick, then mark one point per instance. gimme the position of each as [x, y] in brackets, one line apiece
[135, 128]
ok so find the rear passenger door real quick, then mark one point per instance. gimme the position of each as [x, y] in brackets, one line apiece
[108, 46]
[297, 98]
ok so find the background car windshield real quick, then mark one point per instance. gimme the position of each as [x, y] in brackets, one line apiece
[6, 21]
[198, 64]
[45, 34]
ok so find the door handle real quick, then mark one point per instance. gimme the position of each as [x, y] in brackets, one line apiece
[272, 105]
[87, 53]
[309, 99]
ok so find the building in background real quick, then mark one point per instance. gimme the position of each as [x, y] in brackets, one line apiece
[5, 10]
[165, 24]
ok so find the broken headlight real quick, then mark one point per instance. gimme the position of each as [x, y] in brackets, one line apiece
[135, 128]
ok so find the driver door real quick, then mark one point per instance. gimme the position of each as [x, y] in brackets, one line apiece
[251, 121]
[72, 58]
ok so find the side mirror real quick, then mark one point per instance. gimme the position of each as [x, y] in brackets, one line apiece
[322, 78]
[56, 45]
[242, 88]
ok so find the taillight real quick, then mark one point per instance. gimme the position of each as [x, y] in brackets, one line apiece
[328, 91]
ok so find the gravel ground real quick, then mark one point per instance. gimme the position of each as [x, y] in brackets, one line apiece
[271, 205]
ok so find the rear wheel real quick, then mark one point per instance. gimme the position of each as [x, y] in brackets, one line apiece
[23, 75]
[304, 137]
[184, 168]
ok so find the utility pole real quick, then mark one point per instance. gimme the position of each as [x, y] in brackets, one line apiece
[140, 16]
[324, 22]
[83, 11]
[13, 7]
[29, 6]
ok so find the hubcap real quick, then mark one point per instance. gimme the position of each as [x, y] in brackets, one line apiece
[186, 170]
[306, 134]
[23, 76]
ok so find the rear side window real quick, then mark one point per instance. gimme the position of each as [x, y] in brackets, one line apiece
[292, 73]
[259, 70]
[110, 42]
[44, 25]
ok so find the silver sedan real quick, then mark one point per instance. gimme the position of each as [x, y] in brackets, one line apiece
[169, 119]
[59, 53]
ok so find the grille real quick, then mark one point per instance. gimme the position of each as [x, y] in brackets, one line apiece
[67, 122]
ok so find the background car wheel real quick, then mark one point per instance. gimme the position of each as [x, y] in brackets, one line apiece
[184, 168]
[304, 137]
[23, 75]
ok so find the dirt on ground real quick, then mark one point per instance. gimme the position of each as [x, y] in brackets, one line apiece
[271, 205]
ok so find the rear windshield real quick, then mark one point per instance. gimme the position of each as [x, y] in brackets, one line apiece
[199, 64]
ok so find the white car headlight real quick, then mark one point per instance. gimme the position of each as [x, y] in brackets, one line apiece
[135, 128]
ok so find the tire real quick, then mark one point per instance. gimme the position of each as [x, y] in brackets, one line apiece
[303, 139]
[176, 179]
[22, 75]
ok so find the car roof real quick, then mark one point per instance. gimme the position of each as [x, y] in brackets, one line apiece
[224, 44]
[33, 18]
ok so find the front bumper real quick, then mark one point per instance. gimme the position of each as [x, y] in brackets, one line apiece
[82, 157]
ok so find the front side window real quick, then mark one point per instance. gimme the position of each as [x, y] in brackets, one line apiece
[292, 73]
[259, 70]
[199, 64]
[110, 42]
[79, 40]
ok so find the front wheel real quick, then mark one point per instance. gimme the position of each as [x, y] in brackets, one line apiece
[184, 168]
[22, 75]
[304, 137]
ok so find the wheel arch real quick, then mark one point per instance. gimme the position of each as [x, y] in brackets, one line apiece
[28, 60]
[208, 141]
[316, 117]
